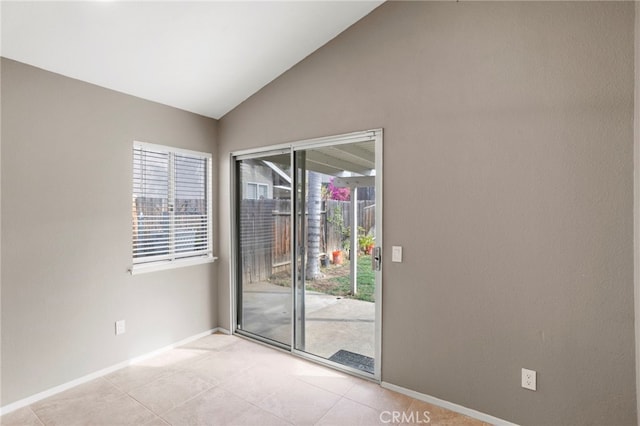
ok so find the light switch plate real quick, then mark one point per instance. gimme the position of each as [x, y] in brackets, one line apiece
[396, 254]
[120, 327]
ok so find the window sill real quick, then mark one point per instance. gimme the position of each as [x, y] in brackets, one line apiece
[170, 264]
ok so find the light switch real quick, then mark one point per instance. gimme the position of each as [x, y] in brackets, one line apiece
[396, 254]
[120, 327]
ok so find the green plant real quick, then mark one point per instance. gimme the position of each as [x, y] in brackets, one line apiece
[336, 220]
[365, 240]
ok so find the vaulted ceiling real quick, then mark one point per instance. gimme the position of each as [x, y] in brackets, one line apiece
[205, 57]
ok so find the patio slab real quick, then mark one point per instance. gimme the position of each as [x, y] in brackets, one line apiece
[332, 323]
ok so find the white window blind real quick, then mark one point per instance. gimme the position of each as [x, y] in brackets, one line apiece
[171, 209]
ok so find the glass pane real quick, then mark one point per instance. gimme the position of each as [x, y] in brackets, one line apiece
[264, 247]
[263, 191]
[335, 289]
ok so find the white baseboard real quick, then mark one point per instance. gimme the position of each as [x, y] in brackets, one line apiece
[65, 386]
[448, 405]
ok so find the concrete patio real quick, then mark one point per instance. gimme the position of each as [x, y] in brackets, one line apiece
[332, 323]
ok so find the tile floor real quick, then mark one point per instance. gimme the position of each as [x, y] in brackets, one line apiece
[226, 380]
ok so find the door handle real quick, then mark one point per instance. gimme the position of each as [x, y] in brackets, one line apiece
[376, 258]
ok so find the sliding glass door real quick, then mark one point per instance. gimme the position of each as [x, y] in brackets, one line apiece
[308, 276]
[335, 282]
[263, 270]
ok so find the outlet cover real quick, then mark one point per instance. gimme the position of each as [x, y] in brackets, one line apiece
[529, 380]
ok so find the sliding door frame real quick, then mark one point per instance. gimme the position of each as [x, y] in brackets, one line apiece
[375, 135]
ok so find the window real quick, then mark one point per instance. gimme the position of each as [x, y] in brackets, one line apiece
[171, 208]
[257, 191]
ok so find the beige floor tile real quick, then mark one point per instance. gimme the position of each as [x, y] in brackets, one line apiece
[418, 411]
[375, 396]
[213, 407]
[117, 412]
[290, 365]
[146, 371]
[168, 392]
[245, 346]
[259, 417]
[275, 361]
[76, 403]
[157, 421]
[329, 379]
[347, 412]
[120, 412]
[134, 376]
[226, 380]
[218, 367]
[21, 417]
[299, 367]
[174, 358]
[256, 383]
[299, 403]
[215, 341]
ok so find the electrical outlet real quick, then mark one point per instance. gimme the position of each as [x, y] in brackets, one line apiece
[529, 379]
[120, 327]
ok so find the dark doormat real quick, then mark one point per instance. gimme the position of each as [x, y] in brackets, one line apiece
[350, 359]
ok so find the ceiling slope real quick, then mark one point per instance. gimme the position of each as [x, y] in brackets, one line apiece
[203, 57]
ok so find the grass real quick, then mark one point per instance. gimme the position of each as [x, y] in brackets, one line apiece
[339, 284]
[336, 280]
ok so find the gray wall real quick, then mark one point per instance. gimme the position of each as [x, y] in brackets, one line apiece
[66, 232]
[514, 123]
[636, 190]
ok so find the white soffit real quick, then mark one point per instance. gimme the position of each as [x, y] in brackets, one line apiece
[205, 57]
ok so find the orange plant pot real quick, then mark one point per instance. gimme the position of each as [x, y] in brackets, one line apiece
[337, 257]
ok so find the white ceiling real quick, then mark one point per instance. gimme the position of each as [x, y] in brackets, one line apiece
[205, 57]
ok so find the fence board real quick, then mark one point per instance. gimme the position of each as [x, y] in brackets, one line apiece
[265, 233]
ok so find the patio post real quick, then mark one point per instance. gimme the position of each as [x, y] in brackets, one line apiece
[354, 240]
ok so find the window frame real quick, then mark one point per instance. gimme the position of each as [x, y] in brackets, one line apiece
[175, 261]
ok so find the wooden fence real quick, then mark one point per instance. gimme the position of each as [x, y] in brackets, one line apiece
[265, 233]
